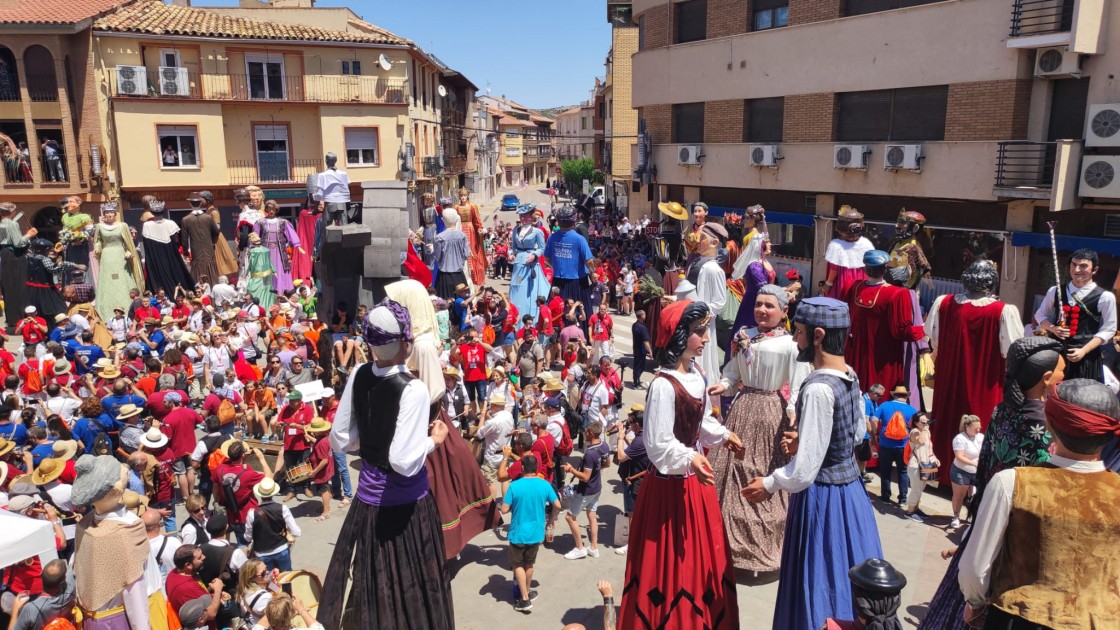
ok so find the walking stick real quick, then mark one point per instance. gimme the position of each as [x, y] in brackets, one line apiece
[1057, 274]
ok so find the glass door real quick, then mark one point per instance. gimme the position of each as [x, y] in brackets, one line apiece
[266, 76]
[272, 153]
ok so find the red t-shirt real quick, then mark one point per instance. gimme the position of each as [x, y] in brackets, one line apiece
[25, 577]
[180, 312]
[31, 333]
[24, 369]
[322, 452]
[294, 437]
[147, 384]
[144, 312]
[213, 401]
[544, 321]
[242, 488]
[164, 484]
[6, 360]
[556, 306]
[182, 589]
[601, 326]
[155, 404]
[474, 361]
[543, 449]
[179, 427]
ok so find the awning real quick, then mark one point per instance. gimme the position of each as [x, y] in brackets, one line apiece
[781, 218]
[1066, 242]
[24, 538]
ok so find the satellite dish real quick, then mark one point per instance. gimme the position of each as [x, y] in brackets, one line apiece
[442, 90]
[385, 63]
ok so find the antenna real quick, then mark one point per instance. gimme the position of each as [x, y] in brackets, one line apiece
[442, 90]
[385, 63]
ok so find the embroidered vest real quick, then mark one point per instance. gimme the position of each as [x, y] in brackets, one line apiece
[839, 465]
[689, 411]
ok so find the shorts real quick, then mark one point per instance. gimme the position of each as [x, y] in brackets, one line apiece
[490, 472]
[523, 556]
[543, 339]
[583, 502]
[509, 338]
[863, 451]
[180, 465]
[319, 489]
[476, 390]
[961, 477]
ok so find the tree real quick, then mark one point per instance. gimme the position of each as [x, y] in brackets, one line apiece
[575, 171]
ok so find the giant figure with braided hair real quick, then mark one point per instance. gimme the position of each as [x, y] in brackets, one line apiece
[678, 565]
[390, 546]
[830, 526]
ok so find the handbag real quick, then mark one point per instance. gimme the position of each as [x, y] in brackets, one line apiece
[927, 471]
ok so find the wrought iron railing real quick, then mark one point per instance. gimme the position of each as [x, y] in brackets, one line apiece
[1038, 17]
[432, 167]
[169, 82]
[271, 170]
[1025, 164]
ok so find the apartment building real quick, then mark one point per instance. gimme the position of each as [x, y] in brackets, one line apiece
[568, 143]
[50, 134]
[620, 123]
[526, 153]
[985, 116]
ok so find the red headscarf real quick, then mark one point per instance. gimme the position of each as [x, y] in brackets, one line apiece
[1078, 421]
[668, 319]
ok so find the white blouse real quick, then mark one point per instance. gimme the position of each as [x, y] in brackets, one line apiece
[666, 452]
[773, 364]
[848, 254]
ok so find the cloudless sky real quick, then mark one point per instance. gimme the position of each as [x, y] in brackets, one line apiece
[540, 53]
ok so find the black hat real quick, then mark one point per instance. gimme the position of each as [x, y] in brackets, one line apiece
[217, 524]
[877, 575]
[40, 244]
[566, 214]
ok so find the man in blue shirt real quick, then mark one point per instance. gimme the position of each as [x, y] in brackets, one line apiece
[153, 338]
[121, 396]
[12, 430]
[863, 449]
[892, 425]
[87, 353]
[526, 500]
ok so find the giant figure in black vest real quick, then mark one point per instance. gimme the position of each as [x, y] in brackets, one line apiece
[1089, 317]
[390, 545]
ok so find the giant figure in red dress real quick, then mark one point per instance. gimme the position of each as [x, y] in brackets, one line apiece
[882, 324]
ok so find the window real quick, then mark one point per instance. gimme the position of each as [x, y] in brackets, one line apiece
[692, 21]
[361, 146]
[511, 132]
[513, 152]
[352, 67]
[764, 118]
[272, 153]
[688, 123]
[642, 33]
[178, 146]
[266, 76]
[169, 58]
[413, 82]
[582, 122]
[906, 114]
[770, 14]
[862, 7]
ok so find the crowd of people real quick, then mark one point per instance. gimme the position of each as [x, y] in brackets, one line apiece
[154, 394]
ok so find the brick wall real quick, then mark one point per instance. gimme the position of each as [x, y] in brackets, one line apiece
[657, 23]
[988, 110]
[809, 117]
[807, 11]
[728, 17]
[723, 121]
[659, 122]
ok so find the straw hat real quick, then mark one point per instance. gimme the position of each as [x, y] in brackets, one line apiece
[110, 372]
[3, 473]
[61, 367]
[65, 449]
[151, 321]
[636, 408]
[318, 425]
[49, 469]
[451, 371]
[6, 446]
[266, 488]
[154, 438]
[673, 209]
[61, 317]
[128, 411]
[134, 502]
[102, 363]
[553, 385]
[224, 448]
[498, 400]
[166, 320]
[901, 390]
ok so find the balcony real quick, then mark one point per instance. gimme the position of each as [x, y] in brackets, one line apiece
[272, 171]
[456, 165]
[1024, 169]
[1039, 17]
[432, 168]
[1043, 23]
[181, 83]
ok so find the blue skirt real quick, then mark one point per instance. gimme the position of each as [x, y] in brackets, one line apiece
[526, 284]
[829, 530]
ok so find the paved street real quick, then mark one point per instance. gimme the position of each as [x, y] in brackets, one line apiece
[482, 582]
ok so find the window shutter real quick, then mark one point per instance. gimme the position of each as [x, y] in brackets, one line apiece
[765, 117]
[863, 116]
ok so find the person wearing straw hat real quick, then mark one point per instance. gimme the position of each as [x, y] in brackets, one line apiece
[268, 524]
[159, 476]
[392, 534]
[322, 464]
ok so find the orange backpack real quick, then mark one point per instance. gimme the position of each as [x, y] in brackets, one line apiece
[896, 427]
[34, 383]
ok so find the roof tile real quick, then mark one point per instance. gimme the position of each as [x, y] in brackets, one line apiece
[53, 11]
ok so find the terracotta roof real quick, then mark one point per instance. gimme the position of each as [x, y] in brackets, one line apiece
[157, 18]
[53, 11]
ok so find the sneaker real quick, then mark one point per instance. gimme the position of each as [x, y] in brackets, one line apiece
[621, 550]
[533, 596]
[956, 523]
[523, 606]
[576, 554]
[917, 518]
[866, 478]
[594, 553]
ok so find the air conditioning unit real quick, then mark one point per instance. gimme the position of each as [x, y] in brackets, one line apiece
[850, 156]
[765, 155]
[1103, 129]
[690, 156]
[173, 81]
[132, 80]
[1100, 176]
[903, 156]
[1056, 62]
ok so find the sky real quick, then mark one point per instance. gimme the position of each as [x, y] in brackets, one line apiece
[540, 53]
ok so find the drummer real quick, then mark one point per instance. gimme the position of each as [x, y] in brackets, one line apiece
[322, 464]
[293, 421]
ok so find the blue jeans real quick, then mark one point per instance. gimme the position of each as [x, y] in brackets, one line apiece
[281, 561]
[238, 530]
[340, 483]
[169, 522]
[888, 456]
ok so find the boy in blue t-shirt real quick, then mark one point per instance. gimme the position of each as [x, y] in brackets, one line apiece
[526, 500]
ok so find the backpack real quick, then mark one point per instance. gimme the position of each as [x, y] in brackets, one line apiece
[564, 448]
[215, 457]
[896, 427]
[34, 382]
[227, 412]
[229, 491]
[102, 443]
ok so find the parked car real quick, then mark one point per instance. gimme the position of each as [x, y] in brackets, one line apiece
[598, 195]
[510, 202]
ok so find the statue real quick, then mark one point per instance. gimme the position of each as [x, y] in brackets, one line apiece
[877, 594]
[907, 251]
[333, 191]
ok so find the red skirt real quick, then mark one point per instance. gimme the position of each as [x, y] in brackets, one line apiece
[678, 563]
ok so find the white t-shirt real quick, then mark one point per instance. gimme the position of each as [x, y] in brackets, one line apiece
[971, 448]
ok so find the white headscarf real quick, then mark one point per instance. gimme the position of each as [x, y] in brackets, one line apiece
[751, 253]
[451, 219]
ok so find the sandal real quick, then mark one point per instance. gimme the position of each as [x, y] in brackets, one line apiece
[343, 503]
[322, 517]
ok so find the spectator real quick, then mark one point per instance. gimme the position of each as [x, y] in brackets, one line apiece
[282, 610]
[268, 526]
[236, 481]
[163, 546]
[892, 427]
[193, 531]
[633, 463]
[870, 405]
[966, 456]
[294, 418]
[586, 495]
[183, 586]
[179, 427]
[474, 369]
[643, 349]
[921, 460]
[594, 400]
[494, 433]
[221, 559]
[255, 586]
[200, 457]
[322, 463]
[526, 501]
[55, 602]
[602, 332]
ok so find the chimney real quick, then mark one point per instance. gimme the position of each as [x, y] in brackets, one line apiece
[181, 3]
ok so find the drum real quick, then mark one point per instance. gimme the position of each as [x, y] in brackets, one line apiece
[307, 587]
[299, 473]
